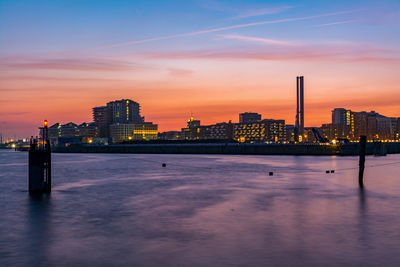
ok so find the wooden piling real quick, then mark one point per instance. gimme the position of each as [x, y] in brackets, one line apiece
[363, 147]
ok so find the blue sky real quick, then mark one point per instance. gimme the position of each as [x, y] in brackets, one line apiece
[54, 26]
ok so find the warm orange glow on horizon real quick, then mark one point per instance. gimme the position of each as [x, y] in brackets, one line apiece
[213, 94]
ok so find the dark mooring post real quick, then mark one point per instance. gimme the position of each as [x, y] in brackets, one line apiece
[40, 163]
[363, 147]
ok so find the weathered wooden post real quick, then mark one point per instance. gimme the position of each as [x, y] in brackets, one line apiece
[40, 163]
[363, 147]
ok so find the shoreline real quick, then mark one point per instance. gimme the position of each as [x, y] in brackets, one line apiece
[376, 148]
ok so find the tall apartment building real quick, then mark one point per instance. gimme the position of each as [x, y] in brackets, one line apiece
[102, 117]
[125, 111]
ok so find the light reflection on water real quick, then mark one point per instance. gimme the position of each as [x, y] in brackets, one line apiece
[201, 210]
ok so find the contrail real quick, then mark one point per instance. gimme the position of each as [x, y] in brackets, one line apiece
[336, 23]
[238, 26]
[258, 39]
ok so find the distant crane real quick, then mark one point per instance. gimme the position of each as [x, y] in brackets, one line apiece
[318, 136]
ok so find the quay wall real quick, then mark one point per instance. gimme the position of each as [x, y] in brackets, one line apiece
[236, 149]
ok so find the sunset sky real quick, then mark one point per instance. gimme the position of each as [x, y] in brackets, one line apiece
[212, 58]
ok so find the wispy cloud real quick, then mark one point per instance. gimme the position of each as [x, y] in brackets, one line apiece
[336, 23]
[80, 64]
[261, 11]
[245, 11]
[213, 30]
[62, 78]
[259, 40]
[301, 53]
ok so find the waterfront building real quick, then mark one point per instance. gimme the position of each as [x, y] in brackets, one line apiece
[145, 131]
[341, 116]
[290, 133]
[386, 128]
[170, 135]
[64, 133]
[220, 131]
[360, 124]
[351, 125]
[254, 131]
[54, 131]
[192, 122]
[309, 136]
[125, 111]
[102, 117]
[335, 131]
[267, 130]
[248, 117]
[67, 130]
[122, 132]
[88, 130]
[398, 129]
[193, 131]
[374, 125]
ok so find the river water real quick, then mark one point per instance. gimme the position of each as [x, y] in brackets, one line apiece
[201, 210]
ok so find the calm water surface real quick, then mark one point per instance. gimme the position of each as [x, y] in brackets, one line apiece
[201, 210]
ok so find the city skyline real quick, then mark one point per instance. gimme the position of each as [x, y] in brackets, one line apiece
[215, 59]
[121, 121]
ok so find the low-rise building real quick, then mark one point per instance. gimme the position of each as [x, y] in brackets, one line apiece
[333, 131]
[82, 133]
[220, 131]
[263, 131]
[170, 135]
[122, 132]
[145, 131]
